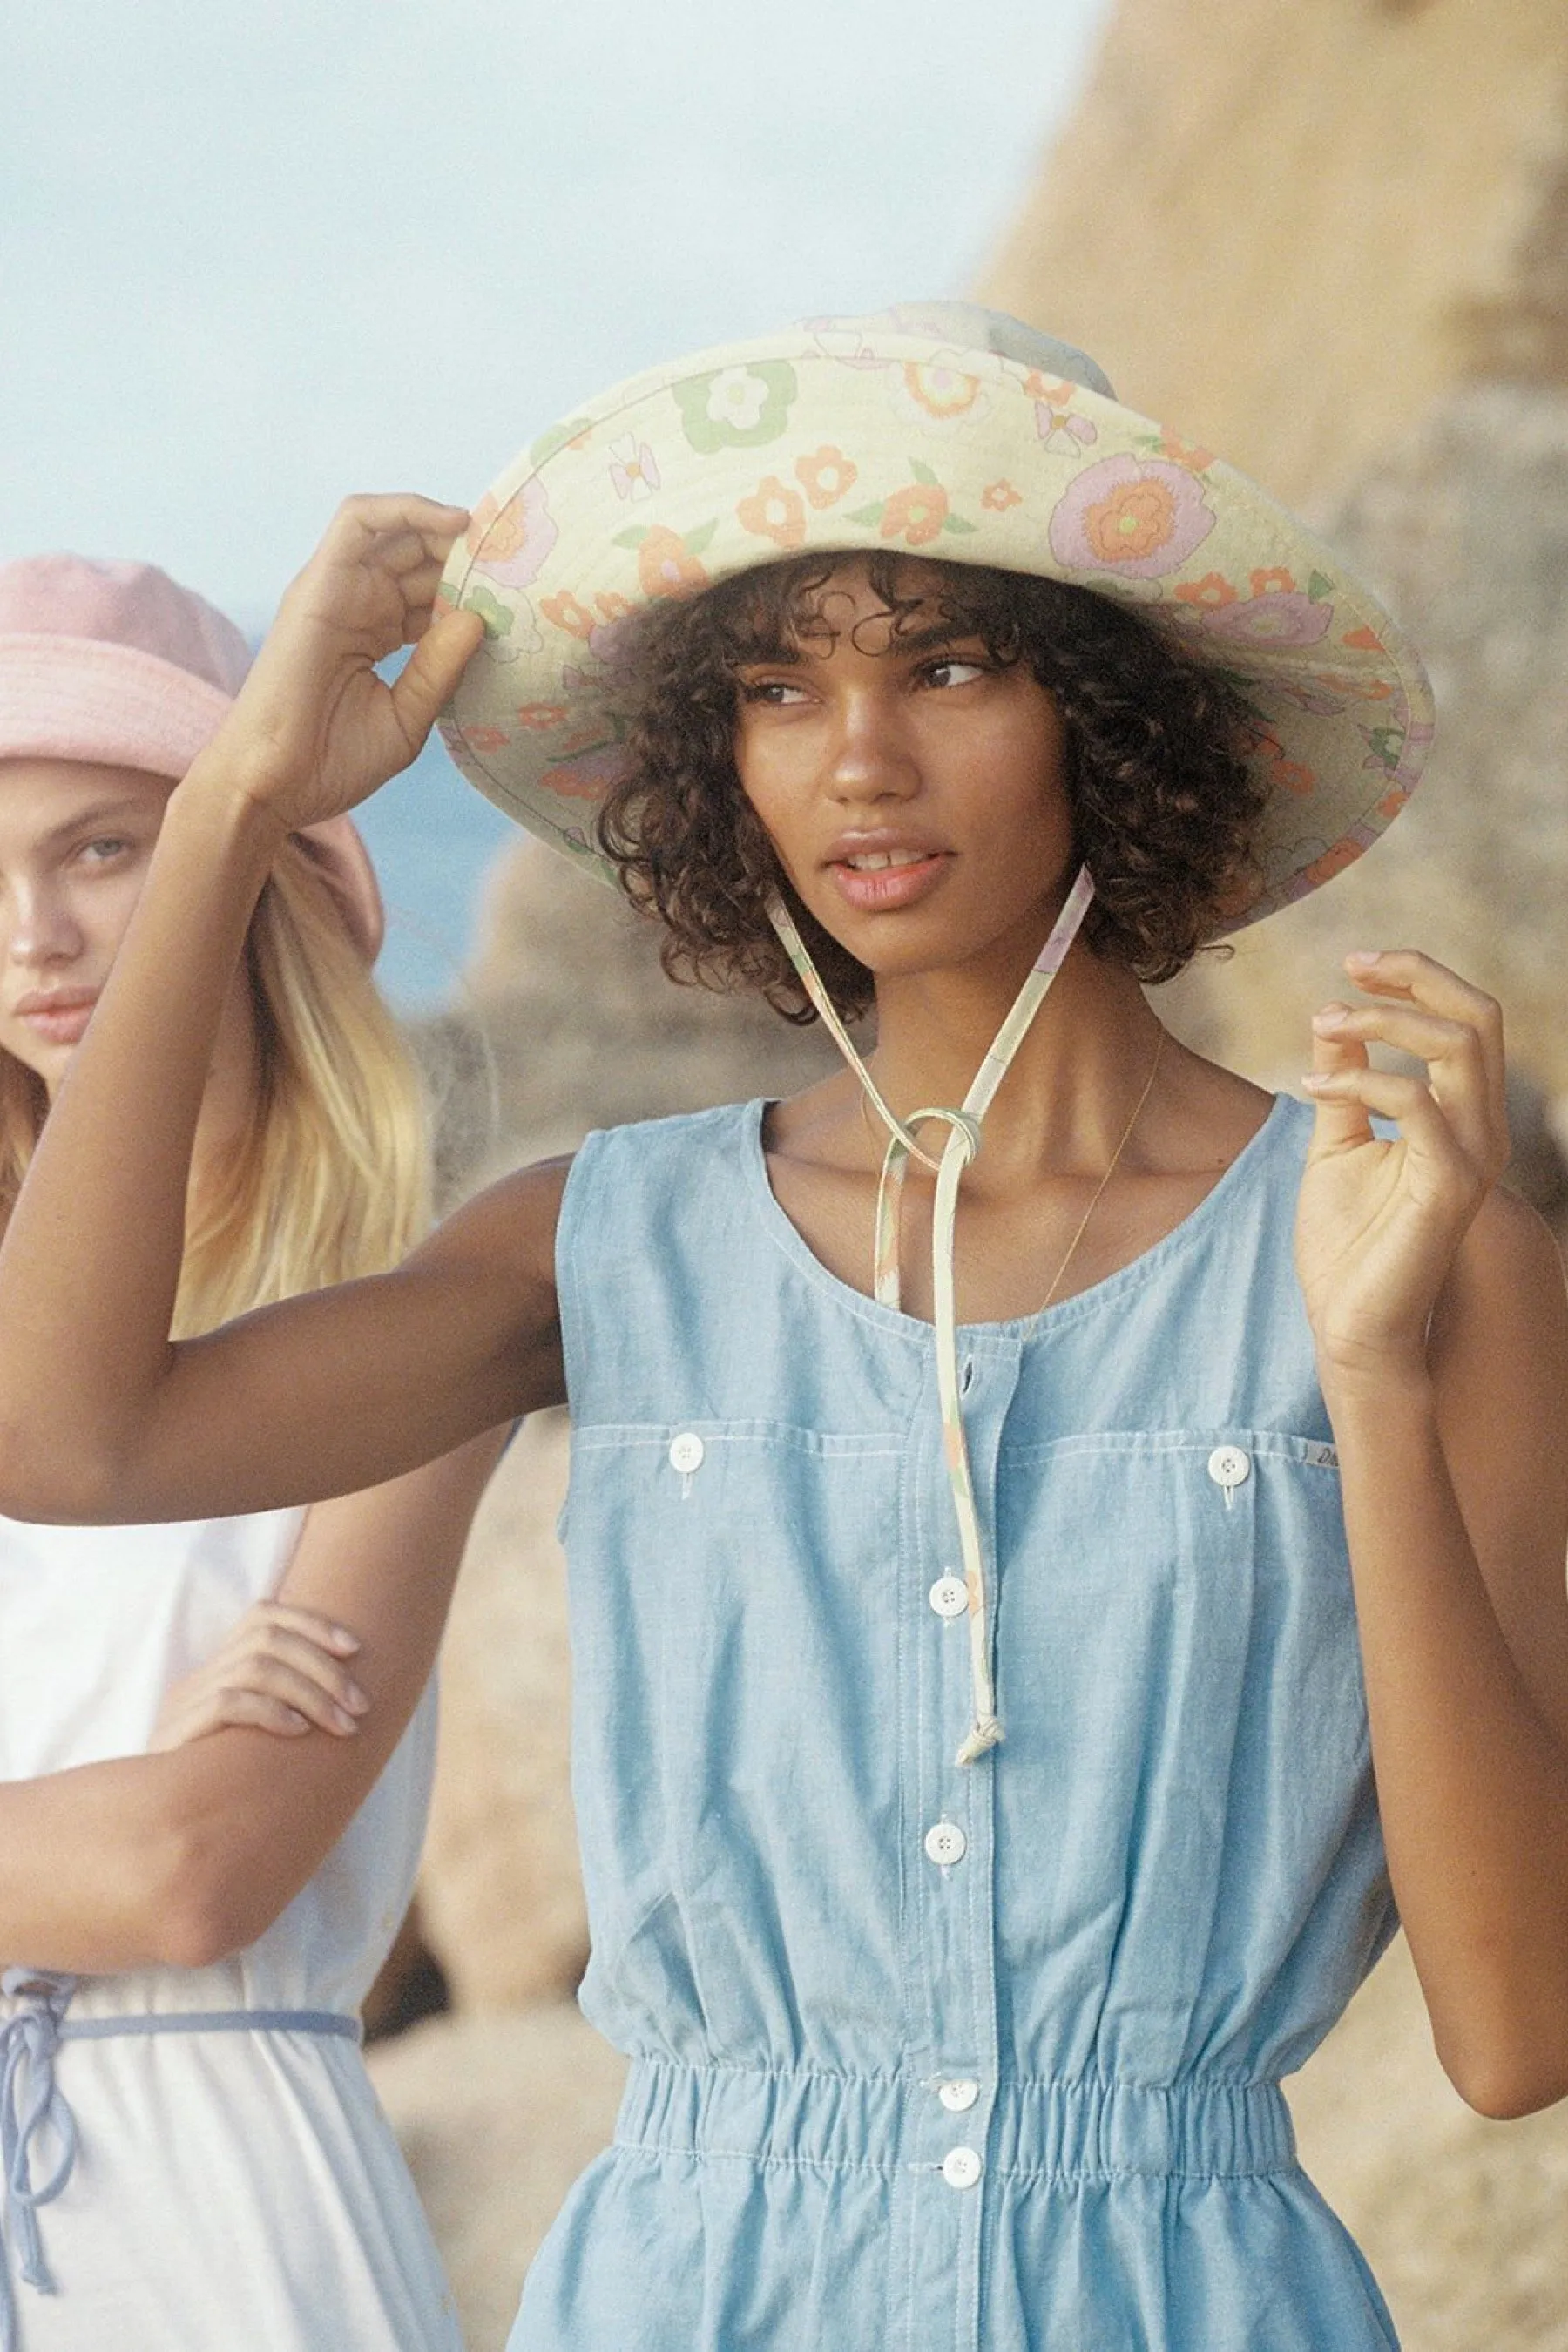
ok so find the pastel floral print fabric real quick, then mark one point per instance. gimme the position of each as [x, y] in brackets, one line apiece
[897, 433]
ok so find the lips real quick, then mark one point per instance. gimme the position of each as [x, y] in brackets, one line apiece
[58, 1016]
[880, 877]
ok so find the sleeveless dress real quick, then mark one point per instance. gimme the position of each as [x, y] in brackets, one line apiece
[234, 2191]
[926, 2056]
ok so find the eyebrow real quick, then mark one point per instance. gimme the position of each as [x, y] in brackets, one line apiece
[936, 636]
[100, 812]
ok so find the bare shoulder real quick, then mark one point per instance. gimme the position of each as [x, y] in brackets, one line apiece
[507, 1230]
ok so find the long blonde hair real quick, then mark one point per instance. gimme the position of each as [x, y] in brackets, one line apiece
[330, 1176]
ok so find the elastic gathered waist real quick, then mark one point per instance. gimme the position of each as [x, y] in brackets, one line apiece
[1031, 2128]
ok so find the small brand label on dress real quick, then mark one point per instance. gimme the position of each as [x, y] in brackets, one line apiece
[1322, 1458]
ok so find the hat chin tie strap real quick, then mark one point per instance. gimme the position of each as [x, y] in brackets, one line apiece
[963, 1127]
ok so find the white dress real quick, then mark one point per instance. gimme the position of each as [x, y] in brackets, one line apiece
[233, 2190]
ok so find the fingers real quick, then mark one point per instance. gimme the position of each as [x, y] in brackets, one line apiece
[283, 1658]
[269, 1687]
[429, 677]
[1341, 1122]
[1429, 1012]
[396, 516]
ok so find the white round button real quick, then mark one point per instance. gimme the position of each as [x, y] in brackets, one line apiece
[946, 1843]
[949, 1596]
[685, 1453]
[1229, 1466]
[962, 2168]
[958, 2097]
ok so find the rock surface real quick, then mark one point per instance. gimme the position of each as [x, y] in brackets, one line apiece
[496, 2116]
[1288, 230]
[1465, 531]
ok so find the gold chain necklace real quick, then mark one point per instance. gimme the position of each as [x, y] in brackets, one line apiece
[1109, 1171]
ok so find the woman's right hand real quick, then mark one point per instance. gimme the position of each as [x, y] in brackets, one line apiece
[282, 1670]
[314, 730]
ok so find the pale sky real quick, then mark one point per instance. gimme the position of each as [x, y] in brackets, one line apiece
[253, 259]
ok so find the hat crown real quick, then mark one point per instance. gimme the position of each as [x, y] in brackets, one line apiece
[134, 605]
[972, 327]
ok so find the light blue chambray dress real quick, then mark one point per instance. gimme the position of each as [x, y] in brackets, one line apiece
[930, 2057]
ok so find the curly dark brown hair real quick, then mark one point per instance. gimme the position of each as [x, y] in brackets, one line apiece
[1164, 803]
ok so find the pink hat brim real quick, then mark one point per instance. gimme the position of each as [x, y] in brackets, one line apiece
[81, 698]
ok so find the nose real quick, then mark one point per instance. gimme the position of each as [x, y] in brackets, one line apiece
[868, 760]
[39, 929]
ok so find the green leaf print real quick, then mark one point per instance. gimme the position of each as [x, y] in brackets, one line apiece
[923, 473]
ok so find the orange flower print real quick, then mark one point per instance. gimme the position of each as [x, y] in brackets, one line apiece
[510, 541]
[540, 715]
[1212, 588]
[485, 739]
[1053, 390]
[567, 614]
[1183, 452]
[774, 511]
[944, 392]
[613, 608]
[1273, 583]
[665, 568]
[825, 476]
[1000, 495]
[1135, 520]
[1333, 861]
[915, 515]
[1289, 774]
[1364, 640]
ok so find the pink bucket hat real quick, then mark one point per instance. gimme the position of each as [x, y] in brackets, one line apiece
[118, 665]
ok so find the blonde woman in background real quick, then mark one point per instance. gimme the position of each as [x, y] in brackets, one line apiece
[191, 2153]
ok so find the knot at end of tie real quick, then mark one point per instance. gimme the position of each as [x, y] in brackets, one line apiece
[985, 1733]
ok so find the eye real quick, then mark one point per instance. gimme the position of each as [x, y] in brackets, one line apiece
[104, 847]
[772, 692]
[952, 670]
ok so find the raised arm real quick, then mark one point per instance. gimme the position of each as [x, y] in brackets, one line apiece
[1442, 1328]
[178, 1858]
[100, 1416]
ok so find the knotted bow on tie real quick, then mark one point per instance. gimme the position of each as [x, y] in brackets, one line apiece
[31, 2107]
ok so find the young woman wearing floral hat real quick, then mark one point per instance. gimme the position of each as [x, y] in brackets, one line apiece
[192, 1910]
[1021, 1487]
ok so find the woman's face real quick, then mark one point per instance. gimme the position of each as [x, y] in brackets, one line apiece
[913, 790]
[75, 841]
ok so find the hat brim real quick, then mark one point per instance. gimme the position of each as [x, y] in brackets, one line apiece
[64, 698]
[853, 438]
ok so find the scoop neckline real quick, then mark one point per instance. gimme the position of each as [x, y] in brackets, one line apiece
[1057, 1316]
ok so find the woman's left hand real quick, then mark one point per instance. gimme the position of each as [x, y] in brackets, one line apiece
[1379, 1221]
[282, 1670]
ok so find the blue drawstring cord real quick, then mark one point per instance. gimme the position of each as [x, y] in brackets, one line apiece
[30, 2105]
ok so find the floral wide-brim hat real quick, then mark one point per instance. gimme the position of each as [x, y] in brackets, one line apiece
[937, 430]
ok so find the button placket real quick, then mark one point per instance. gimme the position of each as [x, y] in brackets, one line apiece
[951, 1910]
